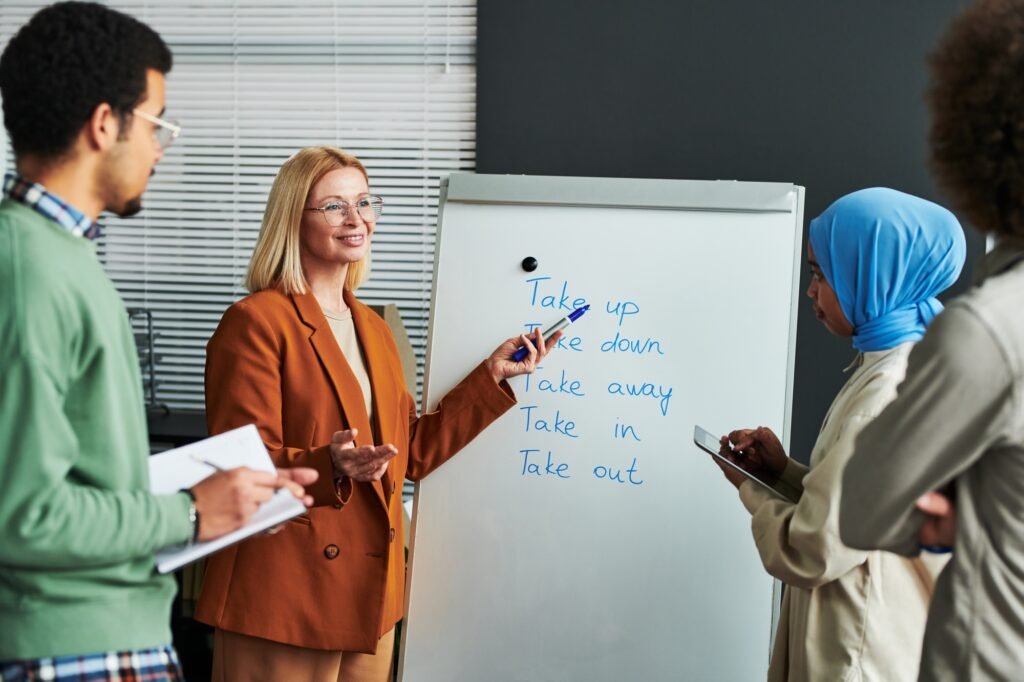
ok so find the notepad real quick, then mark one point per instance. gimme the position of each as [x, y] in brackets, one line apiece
[183, 467]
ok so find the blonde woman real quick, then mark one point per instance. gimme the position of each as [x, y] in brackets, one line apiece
[319, 374]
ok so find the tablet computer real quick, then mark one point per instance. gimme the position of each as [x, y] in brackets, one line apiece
[709, 444]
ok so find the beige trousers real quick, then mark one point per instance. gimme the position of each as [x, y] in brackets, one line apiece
[240, 658]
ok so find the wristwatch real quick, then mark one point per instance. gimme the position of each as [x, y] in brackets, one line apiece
[193, 517]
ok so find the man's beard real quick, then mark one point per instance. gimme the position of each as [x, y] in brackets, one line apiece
[130, 208]
[133, 205]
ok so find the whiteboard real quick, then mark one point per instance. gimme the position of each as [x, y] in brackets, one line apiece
[583, 536]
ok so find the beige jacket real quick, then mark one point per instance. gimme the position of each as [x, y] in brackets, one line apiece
[846, 614]
[959, 421]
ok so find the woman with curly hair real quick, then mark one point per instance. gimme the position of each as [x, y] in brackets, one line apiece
[943, 465]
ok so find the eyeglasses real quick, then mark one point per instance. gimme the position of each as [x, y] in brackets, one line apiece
[165, 132]
[335, 213]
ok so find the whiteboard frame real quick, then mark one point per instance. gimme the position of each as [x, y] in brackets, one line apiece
[691, 195]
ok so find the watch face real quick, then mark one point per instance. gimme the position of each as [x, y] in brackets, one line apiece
[193, 520]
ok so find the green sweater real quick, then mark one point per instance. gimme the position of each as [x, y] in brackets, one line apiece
[78, 525]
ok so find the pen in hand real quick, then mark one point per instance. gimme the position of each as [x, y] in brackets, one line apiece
[208, 463]
[521, 352]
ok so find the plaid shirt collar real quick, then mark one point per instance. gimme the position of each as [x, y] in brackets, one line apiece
[35, 196]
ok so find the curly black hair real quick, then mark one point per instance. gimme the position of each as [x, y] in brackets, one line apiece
[976, 98]
[67, 60]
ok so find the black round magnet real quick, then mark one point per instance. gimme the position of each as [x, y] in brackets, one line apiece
[529, 264]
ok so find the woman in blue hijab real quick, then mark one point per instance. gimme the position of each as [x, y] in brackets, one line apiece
[887, 255]
[878, 260]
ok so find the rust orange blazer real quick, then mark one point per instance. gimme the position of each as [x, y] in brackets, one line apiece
[335, 578]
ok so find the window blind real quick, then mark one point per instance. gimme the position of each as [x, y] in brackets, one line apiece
[391, 81]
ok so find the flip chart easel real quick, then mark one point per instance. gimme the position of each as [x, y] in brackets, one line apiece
[583, 536]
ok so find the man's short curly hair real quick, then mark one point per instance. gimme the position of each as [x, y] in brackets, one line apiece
[977, 104]
[67, 60]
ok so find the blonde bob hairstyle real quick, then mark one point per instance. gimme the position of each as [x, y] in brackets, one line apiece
[275, 261]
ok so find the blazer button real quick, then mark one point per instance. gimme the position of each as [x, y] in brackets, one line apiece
[392, 487]
[331, 551]
[392, 538]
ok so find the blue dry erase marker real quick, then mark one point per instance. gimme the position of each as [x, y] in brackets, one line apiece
[521, 352]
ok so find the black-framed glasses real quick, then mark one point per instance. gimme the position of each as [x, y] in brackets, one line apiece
[335, 213]
[165, 132]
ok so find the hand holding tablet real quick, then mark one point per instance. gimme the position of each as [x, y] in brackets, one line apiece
[756, 466]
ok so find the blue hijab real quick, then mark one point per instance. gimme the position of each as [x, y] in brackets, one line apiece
[887, 255]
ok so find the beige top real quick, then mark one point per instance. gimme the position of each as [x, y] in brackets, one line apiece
[345, 332]
[959, 414]
[846, 614]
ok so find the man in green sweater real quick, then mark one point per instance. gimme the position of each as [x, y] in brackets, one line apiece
[83, 92]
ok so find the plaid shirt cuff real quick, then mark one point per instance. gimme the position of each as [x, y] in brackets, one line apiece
[145, 665]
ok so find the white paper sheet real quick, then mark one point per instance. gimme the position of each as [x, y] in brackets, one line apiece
[183, 467]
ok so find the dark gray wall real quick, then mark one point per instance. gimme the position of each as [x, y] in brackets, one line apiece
[828, 95]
